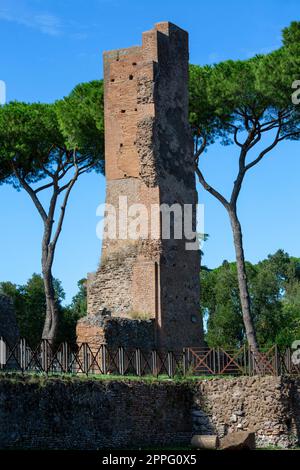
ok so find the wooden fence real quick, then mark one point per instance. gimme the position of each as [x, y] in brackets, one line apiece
[85, 359]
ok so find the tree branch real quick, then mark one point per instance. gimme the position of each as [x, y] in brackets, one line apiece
[265, 151]
[201, 149]
[235, 134]
[210, 189]
[31, 193]
[63, 210]
[242, 170]
[286, 136]
[41, 188]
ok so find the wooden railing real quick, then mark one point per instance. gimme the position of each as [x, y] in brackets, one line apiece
[85, 359]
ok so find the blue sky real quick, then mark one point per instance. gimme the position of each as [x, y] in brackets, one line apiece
[47, 47]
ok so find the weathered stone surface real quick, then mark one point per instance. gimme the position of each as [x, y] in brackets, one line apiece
[270, 406]
[238, 440]
[205, 442]
[90, 414]
[149, 160]
[116, 332]
[8, 323]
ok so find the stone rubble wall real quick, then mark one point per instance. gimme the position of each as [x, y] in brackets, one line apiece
[110, 287]
[78, 413]
[116, 332]
[92, 414]
[268, 405]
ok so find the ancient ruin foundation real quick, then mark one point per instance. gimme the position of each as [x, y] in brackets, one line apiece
[151, 281]
[122, 413]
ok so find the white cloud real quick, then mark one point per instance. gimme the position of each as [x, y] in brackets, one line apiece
[48, 24]
[17, 12]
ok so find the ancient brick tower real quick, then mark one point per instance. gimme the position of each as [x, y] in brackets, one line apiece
[149, 160]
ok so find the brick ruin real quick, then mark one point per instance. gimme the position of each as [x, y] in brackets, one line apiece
[146, 291]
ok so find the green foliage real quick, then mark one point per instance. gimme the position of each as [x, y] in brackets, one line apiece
[30, 305]
[203, 117]
[72, 313]
[52, 144]
[39, 138]
[246, 103]
[221, 304]
[247, 94]
[81, 119]
[27, 133]
[79, 301]
[221, 97]
[274, 286]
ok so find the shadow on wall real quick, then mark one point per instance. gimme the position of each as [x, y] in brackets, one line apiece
[8, 324]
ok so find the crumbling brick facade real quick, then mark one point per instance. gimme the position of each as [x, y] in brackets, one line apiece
[149, 160]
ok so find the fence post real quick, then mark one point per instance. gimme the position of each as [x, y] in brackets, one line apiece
[65, 361]
[219, 364]
[154, 363]
[23, 354]
[3, 356]
[121, 360]
[214, 360]
[138, 362]
[103, 359]
[170, 368]
[44, 358]
[184, 368]
[85, 359]
[189, 360]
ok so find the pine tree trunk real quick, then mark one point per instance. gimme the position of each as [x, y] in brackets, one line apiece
[51, 320]
[242, 279]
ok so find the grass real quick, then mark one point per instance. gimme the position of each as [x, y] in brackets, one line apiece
[33, 376]
[139, 315]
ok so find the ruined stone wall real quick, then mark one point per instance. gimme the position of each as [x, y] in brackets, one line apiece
[293, 419]
[113, 292]
[179, 267]
[8, 323]
[92, 414]
[130, 172]
[116, 332]
[149, 160]
[268, 405]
